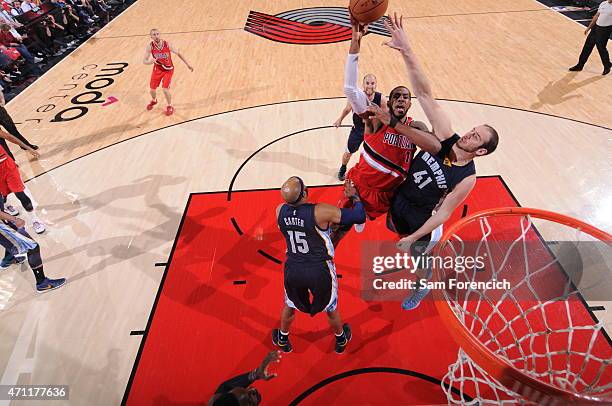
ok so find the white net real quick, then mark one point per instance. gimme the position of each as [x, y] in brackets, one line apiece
[540, 322]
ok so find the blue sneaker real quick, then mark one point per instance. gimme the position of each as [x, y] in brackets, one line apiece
[413, 301]
[49, 284]
[7, 262]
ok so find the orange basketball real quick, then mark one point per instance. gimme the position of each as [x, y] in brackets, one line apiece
[368, 11]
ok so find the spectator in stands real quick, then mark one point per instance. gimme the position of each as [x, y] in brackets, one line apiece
[47, 31]
[29, 5]
[71, 21]
[8, 40]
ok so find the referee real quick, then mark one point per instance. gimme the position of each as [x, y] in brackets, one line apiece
[598, 31]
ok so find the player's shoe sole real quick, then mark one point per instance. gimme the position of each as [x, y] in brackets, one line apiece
[151, 105]
[285, 346]
[50, 284]
[340, 347]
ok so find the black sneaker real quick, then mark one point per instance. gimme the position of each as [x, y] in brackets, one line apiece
[576, 68]
[341, 345]
[342, 173]
[606, 70]
[284, 345]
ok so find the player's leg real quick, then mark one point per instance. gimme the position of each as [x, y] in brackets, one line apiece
[354, 141]
[296, 297]
[28, 205]
[153, 85]
[166, 81]
[18, 243]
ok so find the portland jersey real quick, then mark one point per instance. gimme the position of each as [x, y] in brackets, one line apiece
[306, 242]
[385, 159]
[431, 177]
[162, 56]
[4, 155]
[357, 120]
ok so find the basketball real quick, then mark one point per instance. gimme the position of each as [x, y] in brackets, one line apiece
[368, 11]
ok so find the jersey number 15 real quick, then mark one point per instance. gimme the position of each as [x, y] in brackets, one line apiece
[297, 240]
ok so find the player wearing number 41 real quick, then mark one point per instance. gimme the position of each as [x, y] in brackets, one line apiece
[159, 54]
[443, 179]
[309, 274]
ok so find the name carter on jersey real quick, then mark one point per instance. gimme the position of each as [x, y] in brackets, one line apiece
[294, 221]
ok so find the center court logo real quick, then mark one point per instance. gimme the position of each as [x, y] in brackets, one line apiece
[308, 26]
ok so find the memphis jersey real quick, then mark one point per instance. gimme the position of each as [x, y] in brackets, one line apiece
[357, 120]
[162, 56]
[431, 177]
[385, 159]
[306, 242]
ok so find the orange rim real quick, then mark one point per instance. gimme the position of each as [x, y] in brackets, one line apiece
[509, 376]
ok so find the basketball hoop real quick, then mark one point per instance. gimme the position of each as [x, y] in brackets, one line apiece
[536, 342]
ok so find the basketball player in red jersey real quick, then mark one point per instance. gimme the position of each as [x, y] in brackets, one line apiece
[387, 149]
[159, 54]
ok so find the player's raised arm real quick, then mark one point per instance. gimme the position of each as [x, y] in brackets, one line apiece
[177, 53]
[356, 96]
[148, 59]
[420, 84]
[420, 138]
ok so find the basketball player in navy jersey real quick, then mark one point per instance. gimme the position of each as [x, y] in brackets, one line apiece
[309, 267]
[443, 179]
[356, 135]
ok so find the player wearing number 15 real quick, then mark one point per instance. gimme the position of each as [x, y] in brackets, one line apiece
[309, 274]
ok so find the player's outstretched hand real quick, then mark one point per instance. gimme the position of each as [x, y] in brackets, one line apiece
[19, 223]
[34, 153]
[349, 189]
[399, 39]
[379, 113]
[262, 371]
[358, 29]
[337, 123]
[405, 243]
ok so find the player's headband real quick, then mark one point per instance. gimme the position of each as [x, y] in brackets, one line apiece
[302, 190]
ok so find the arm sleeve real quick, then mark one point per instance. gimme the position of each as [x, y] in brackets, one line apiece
[242, 381]
[356, 215]
[355, 96]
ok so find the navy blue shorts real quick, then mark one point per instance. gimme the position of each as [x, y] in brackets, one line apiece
[317, 281]
[354, 140]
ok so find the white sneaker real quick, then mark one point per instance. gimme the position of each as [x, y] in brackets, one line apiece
[39, 227]
[11, 210]
[37, 60]
[360, 227]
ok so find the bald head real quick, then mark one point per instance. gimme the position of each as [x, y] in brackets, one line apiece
[292, 190]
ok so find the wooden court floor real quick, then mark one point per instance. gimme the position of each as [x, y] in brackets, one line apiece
[113, 181]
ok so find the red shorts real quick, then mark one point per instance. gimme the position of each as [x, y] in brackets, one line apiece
[375, 202]
[162, 76]
[10, 179]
